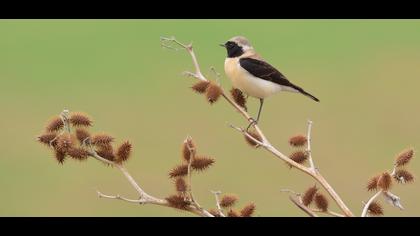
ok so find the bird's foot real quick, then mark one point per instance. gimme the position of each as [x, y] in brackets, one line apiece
[252, 122]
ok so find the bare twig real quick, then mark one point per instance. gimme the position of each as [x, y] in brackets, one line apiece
[248, 135]
[298, 197]
[366, 207]
[264, 142]
[394, 170]
[304, 208]
[286, 190]
[145, 198]
[217, 74]
[309, 151]
[165, 42]
[297, 200]
[118, 197]
[64, 115]
[328, 212]
[190, 74]
[219, 208]
[192, 198]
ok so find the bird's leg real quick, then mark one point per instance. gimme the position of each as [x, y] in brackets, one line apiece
[259, 110]
[254, 122]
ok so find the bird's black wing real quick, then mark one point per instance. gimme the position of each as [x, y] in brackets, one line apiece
[263, 70]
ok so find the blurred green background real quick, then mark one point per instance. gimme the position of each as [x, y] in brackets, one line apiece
[365, 72]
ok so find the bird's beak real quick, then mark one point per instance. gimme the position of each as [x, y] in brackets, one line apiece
[222, 45]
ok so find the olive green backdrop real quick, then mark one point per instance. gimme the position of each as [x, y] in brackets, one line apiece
[365, 72]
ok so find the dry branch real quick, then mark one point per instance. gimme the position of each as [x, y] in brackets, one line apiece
[311, 171]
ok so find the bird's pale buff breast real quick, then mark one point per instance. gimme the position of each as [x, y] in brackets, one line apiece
[248, 83]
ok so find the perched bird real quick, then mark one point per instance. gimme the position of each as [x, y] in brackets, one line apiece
[253, 75]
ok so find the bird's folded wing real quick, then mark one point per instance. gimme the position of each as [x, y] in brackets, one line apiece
[263, 70]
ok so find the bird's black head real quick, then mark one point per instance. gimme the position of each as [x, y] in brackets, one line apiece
[233, 49]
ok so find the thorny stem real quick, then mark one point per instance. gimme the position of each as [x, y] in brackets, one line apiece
[265, 143]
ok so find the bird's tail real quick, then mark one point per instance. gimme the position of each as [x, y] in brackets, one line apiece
[305, 93]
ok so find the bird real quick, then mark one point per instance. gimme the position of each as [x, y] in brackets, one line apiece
[255, 77]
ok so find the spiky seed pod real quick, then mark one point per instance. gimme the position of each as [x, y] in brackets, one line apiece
[185, 149]
[213, 92]
[248, 210]
[233, 213]
[64, 142]
[181, 185]
[375, 209]
[179, 171]
[372, 184]
[309, 195]
[123, 152]
[82, 134]
[60, 156]
[201, 163]
[78, 153]
[239, 97]
[80, 119]
[321, 201]
[214, 212]
[299, 156]
[200, 87]
[177, 201]
[298, 140]
[403, 176]
[101, 139]
[106, 152]
[250, 141]
[47, 138]
[228, 201]
[55, 124]
[385, 181]
[404, 157]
